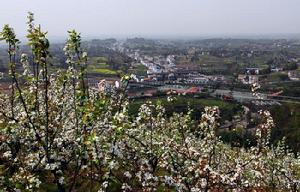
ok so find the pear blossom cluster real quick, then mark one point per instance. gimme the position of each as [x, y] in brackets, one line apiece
[56, 131]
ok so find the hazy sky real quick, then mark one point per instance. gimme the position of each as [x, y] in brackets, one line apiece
[104, 18]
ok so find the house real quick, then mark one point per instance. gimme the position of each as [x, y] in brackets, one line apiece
[171, 77]
[197, 80]
[192, 90]
[294, 75]
[276, 69]
[217, 78]
[252, 71]
[248, 79]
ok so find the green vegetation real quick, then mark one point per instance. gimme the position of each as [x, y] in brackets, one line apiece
[238, 138]
[287, 124]
[104, 71]
[184, 103]
[100, 65]
[97, 60]
[213, 60]
[138, 70]
[276, 77]
[289, 88]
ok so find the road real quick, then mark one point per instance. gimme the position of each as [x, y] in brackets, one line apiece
[248, 96]
[238, 95]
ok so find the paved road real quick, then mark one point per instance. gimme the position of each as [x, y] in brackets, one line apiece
[238, 95]
[248, 96]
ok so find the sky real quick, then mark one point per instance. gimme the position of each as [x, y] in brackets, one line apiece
[155, 18]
